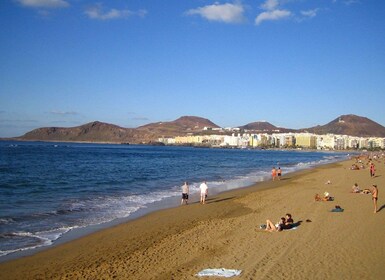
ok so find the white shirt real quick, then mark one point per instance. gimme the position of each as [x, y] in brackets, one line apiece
[203, 188]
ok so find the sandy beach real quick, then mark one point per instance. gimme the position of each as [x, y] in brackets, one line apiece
[179, 242]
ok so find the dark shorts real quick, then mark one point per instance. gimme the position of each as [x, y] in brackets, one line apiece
[184, 196]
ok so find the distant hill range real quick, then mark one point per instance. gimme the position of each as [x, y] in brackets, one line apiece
[108, 133]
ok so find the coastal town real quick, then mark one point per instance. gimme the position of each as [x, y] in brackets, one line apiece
[236, 138]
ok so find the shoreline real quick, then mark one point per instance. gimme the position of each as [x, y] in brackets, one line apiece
[175, 243]
[165, 203]
[301, 149]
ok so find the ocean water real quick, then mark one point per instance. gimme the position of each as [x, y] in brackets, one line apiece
[50, 189]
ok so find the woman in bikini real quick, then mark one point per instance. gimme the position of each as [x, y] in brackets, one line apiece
[375, 197]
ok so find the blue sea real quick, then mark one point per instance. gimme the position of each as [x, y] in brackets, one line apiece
[48, 190]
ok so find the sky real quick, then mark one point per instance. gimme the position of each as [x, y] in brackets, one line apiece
[293, 63]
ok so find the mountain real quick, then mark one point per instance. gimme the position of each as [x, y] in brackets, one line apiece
[181, 126]
[350, 125]
[264, 127]
[90, 132]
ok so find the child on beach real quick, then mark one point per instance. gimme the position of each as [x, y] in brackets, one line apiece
[356, 188]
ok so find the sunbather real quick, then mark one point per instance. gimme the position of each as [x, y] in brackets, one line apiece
[270, 226]
[326, 197]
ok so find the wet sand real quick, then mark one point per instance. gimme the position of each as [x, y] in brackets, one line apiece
[179, 242]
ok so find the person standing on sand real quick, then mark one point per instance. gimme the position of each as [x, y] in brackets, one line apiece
[273, 173]
[375, 197]
[372, 170]
[279, 173]
[204, 190]
[185, 192]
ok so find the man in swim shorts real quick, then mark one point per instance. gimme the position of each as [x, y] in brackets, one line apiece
[185, 192]
[279, 173]
[375, 197]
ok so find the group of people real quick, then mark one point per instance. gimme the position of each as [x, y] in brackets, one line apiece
[286, 222]
[186, 190]
[276, 173]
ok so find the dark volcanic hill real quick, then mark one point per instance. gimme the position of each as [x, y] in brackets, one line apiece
[264, 127]
[181, 126]
[350, 125]
[90, 132]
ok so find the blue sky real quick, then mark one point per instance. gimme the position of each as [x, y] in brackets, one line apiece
[294, 63]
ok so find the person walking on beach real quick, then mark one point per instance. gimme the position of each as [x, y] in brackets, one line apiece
[185, 192]
[372, 170]
[273, 173]
[375, 197]
[204, 190]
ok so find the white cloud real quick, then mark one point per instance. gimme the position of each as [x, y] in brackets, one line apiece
[350, 2]
[272, 15]
[48, 4]
[228, 13]
[97, 12]
[309, 13]
[63, 113]
[270, 5]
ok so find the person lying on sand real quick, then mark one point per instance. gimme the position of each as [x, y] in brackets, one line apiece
[326, 197]
[270, 226]
[354, 167]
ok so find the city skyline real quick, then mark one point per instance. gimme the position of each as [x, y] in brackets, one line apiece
[293, 63]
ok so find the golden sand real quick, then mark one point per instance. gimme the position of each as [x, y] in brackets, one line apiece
[179, 242]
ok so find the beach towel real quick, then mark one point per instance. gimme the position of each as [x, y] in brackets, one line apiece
[337, 210]
[221, 272]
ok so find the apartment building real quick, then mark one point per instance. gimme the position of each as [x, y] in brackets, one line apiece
[306, 140]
